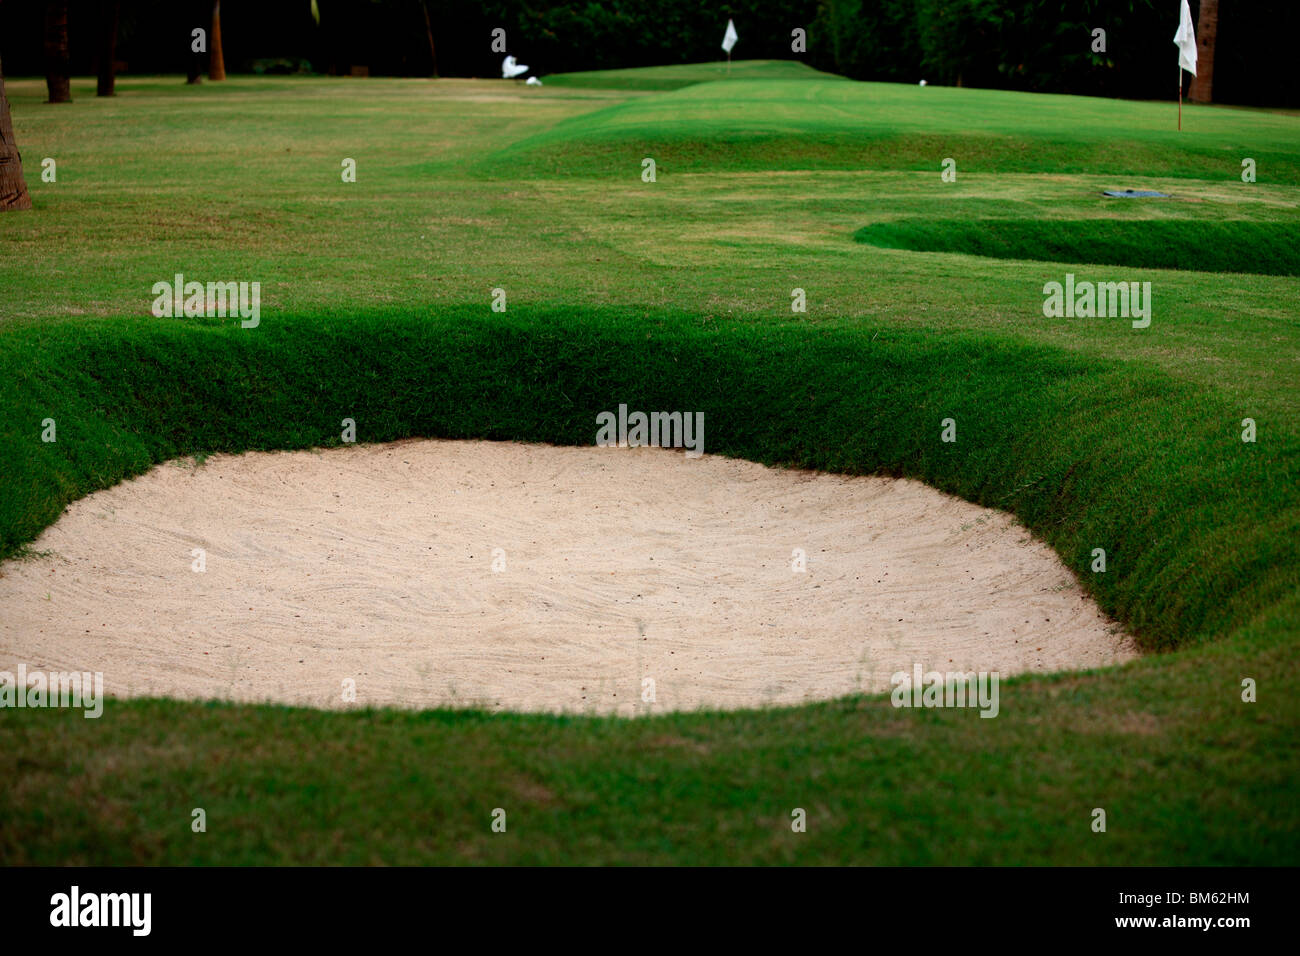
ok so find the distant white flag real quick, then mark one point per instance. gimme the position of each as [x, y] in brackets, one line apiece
[1185, 39]
[731, 36]
[510, 69]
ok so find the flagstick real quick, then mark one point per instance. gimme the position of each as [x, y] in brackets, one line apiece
[1180, 97]
[728, 63]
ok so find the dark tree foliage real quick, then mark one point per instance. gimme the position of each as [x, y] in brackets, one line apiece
[871, 39]
[1048, 45]
[1043, 45]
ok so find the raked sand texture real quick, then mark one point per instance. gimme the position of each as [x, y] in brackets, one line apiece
[376, 564]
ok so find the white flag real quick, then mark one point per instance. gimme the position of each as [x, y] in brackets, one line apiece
[731, 36]
[1185, 39]
[510, 68]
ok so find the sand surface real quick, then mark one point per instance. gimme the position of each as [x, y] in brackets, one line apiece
[375, 564]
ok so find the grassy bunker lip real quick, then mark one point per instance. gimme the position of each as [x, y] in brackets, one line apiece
[1233, 246]
[1199, 529]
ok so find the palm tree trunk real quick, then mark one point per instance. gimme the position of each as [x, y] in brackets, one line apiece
[13, 188]
[217, 65]
[108, 10]
[58, 63]
[1207, 30]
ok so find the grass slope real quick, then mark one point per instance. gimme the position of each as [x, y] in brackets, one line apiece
[833, 124]
[670, 295]
[679, 75]
[1232, 246]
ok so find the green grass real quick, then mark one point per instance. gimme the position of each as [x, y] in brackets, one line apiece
[1265, 248]
[679, 75]
[832, 124]
[676, 294]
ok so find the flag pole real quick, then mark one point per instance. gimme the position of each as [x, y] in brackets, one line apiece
[729, 64]
[1180, 97]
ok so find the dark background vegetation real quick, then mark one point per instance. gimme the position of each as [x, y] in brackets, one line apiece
[1042, 45]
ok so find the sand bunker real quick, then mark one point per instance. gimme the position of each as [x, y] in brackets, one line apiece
[528, 577]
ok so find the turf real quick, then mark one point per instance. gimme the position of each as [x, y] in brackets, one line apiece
[676, 294]
[813, 124]
[1265, 248]
[679, 75]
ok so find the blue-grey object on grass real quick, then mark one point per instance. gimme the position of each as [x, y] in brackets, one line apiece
[1135, 194]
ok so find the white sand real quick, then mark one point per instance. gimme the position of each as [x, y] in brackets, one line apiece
[374, 564]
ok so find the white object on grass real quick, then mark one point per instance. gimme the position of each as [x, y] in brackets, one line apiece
[533, 81]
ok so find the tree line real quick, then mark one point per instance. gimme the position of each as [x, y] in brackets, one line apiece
[1100, 47]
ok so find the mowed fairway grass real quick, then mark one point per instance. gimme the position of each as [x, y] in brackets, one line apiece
[924, 302]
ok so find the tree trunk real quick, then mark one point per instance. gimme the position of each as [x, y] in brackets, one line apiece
[58, 63]
[217, 64]
[108, 10]
[13, 188]
[428, 28]
[1207, 30]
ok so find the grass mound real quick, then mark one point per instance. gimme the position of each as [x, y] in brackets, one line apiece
[1263, 248]
[679, 75]
[783, 124]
